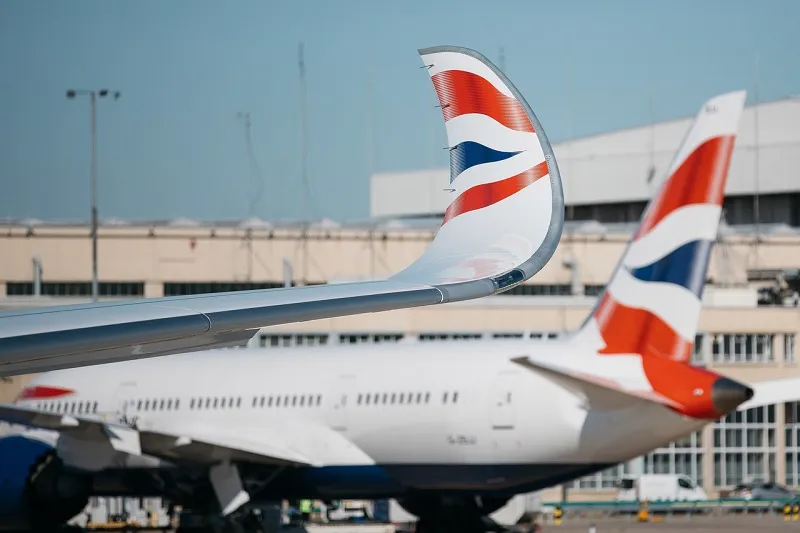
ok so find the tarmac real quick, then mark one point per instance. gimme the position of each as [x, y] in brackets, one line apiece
[750, 523]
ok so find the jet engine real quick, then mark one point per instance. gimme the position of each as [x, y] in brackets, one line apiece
[36, 491]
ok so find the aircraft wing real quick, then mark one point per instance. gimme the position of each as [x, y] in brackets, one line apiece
[280, 442]
[503, 223]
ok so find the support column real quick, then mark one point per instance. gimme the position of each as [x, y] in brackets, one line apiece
[708, 460]
[780, 443]
[153, 289]
[777, 349]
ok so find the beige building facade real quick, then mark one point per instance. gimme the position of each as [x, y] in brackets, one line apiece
[737, 336]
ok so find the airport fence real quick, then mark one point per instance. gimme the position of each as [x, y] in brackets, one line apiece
[644, 511]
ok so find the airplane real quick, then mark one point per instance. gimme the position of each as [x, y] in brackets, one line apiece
[452, 431]
[499, 232]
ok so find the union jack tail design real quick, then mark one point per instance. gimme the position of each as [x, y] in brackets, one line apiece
[652, 304]
[502, 170]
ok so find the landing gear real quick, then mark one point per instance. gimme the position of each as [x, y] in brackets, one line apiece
[262, 519]
[442, 514]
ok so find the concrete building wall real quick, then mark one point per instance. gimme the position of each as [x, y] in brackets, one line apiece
[158, 255]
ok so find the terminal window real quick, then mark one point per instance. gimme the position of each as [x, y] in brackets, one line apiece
[77, 288]
[173, 288]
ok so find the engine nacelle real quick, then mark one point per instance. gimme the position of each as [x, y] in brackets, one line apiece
[35, 489]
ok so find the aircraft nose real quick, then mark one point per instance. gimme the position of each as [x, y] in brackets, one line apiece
[727, 395]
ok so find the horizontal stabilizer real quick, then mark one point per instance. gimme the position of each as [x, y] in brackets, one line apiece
[772, 392]
[598, 391]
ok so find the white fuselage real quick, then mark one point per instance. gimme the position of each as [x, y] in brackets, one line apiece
[450, 407]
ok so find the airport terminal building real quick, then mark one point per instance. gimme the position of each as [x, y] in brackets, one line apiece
[749, 326]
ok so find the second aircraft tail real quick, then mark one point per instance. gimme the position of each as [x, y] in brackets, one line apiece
[651, 305]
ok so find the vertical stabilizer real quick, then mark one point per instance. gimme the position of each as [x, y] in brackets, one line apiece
[652, 304]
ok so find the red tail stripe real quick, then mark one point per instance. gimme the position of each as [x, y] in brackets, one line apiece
[700, 179]
[43, 393]
[462, 93]
[629, 330]
[686, 385]
[487, 194]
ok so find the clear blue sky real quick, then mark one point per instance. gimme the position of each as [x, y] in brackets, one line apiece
[173, 147]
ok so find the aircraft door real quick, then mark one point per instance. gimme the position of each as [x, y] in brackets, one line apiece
[503, 413]
[125, 406]
[342, 392]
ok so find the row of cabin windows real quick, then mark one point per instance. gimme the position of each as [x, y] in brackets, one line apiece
[215, 403]
[288, 401]
[78, 408]
[402, 398]
[309, 400]
[168, 404]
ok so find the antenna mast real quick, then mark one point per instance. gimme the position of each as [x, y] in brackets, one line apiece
[301, 64]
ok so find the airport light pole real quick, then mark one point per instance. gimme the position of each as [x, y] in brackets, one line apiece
[93, 96]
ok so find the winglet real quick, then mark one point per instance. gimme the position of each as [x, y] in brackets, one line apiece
[506, 215]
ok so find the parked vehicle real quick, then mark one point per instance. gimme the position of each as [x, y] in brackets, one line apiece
[659, 487]
[762, 491]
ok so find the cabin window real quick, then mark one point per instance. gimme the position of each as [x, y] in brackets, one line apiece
[455, 397]
[269, 404]
[319, 398]
[444, 400]
[427, 397]
[239, 402]
[294, 401]
[162, 405]
[419, 397]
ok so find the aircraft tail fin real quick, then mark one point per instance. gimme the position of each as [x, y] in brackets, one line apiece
[651, 305]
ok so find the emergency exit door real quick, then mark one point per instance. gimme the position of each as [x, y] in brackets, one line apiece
[503, 413]
[342, 392]
[125, 407]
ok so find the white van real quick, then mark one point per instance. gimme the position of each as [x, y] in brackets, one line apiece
[659, 487]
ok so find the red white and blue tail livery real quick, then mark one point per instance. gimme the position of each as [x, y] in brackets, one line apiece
[657, 288]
